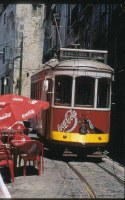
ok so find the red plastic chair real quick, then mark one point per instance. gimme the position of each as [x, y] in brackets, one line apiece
[15, 151]
[2, 136]
[6, 160]
[32, 151]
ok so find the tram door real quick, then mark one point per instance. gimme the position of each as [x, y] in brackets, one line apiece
[49, 110]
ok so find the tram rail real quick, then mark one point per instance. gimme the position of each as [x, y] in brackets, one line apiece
[116, 177]
[90, 191]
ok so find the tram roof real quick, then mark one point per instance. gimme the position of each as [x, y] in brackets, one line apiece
[90, 65]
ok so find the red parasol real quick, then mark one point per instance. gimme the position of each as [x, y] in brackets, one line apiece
[7, 99]
[13, 112]
[19, 125]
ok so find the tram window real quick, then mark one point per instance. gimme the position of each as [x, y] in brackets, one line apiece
[103, 93]
[84, 91]
[63, 90]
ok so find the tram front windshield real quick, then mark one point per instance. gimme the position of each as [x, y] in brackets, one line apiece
[103, 93]
[83, 92]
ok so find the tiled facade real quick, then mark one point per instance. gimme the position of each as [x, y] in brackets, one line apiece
[20, 22]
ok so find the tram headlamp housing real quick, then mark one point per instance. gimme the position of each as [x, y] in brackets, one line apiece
[99, 138]
[83, 130]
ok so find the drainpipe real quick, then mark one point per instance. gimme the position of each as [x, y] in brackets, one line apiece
[20, 72]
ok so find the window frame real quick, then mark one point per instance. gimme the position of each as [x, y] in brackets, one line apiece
[84, 107]
[37, 10]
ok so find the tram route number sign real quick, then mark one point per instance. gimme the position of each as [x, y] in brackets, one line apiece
[81, 53]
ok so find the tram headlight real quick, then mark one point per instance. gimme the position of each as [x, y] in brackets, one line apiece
[83, 130]
[99, 138]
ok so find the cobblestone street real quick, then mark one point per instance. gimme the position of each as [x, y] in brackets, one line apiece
[59, 181]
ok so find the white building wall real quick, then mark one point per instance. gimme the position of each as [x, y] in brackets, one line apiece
[33, 34]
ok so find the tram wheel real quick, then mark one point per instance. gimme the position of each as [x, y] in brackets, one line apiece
[81, 153]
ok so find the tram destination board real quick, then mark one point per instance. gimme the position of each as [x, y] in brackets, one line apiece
[66, 53]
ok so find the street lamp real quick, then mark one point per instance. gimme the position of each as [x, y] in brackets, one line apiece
[5, 80]
[2, 56]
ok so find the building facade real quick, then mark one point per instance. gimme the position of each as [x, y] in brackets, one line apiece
[21, 44]
[89, 26]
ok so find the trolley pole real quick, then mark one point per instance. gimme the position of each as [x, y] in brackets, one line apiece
[20, 72]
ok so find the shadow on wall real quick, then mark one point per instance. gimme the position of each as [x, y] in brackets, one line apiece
[116, 145]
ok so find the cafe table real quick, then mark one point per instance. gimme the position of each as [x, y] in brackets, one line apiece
[15, 146]
[6, 135]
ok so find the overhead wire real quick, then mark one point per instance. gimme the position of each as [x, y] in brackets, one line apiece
[58, 31]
